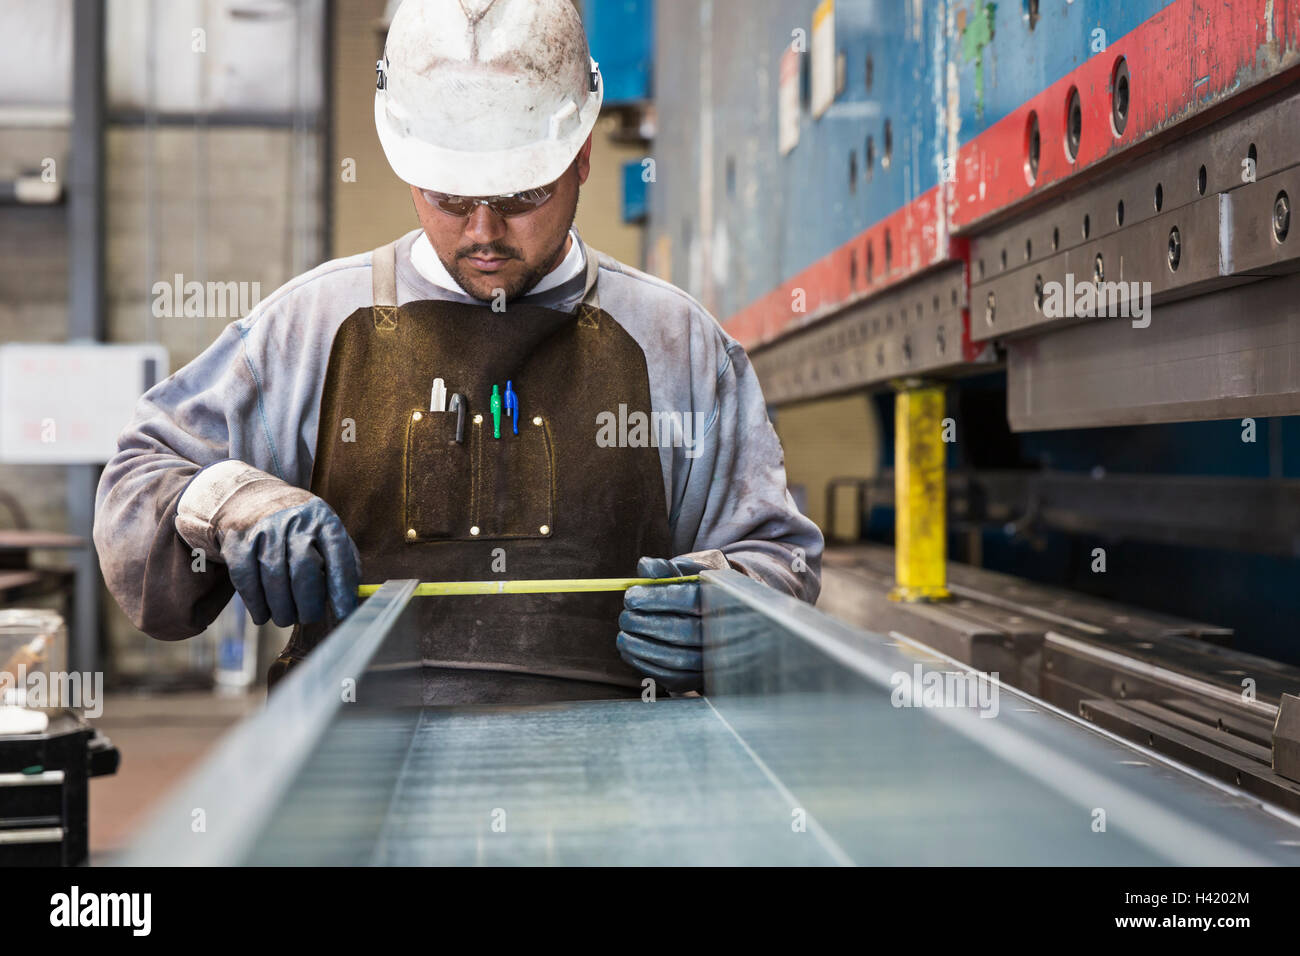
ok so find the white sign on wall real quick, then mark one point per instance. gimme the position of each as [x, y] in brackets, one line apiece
[66, 404]
[787, 102]
[824, 57]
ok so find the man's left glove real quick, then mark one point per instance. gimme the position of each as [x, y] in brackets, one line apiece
[286, 551]
[662, 630]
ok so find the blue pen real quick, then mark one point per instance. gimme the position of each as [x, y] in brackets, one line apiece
[512, 405]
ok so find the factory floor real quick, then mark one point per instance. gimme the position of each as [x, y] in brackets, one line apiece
[160, 738]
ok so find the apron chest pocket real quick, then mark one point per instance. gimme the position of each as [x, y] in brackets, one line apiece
[437, 480]
[482, 488]
[514, 480]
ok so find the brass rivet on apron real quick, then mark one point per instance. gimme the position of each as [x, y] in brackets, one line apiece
[478, 419]
[410, 534]
[545, 529]
[416, 417]
[474, 530]
[537, 420]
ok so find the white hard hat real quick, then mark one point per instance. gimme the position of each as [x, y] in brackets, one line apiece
[485, 97]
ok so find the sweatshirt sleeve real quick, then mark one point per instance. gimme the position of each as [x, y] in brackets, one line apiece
[736, 498]
[253, 396]
[181, 425]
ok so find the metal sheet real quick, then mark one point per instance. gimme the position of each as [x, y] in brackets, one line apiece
[800, 754]
[818, 703]
[1082, 655]
[1134, 257]
[1272, 128]
[997, 642]
[1228, 354]
[1048, 606]
[213, 818]
[911, 330]
[1251, 774]
[1248, 514]
[1216, 187]
[603, 782]
[1260, 220]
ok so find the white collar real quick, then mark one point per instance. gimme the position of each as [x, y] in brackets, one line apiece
[427, 263]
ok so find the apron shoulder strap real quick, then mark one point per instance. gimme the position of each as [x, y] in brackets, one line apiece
[383, 274]
[589, 308]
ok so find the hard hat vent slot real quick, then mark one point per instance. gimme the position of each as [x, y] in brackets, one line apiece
[560, 116]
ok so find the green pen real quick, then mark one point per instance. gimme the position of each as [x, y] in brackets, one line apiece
[495, 405]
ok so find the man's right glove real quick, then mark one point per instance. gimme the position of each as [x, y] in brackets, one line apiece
[662, 631]
[285, 549]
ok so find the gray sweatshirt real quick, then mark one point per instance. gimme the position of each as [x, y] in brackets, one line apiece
[254, 396]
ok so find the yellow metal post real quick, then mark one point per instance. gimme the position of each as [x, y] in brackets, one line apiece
[920, 502]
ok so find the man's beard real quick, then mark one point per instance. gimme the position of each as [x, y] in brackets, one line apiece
[520, 286]
[512, 289]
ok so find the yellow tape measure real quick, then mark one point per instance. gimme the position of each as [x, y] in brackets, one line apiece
[537, 586]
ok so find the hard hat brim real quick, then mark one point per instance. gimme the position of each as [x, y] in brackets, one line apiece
[487, 173]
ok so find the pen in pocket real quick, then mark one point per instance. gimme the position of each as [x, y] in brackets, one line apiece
[458, 405]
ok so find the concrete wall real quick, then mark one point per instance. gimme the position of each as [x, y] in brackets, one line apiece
[600, 206]
[376, 207]
[33, 304]
[215, 204]
[220, 204]
[832, 438]
[206, 174]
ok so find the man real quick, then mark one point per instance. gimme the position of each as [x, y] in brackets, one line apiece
[597, 421]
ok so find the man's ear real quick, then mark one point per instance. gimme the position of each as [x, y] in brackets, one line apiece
[584, 161]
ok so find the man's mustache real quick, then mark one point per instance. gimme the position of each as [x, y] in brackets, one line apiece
[492, 250]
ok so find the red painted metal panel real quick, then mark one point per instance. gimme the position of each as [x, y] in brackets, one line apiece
[902, 244]
[1192, 55]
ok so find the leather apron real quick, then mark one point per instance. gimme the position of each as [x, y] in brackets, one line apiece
[549, 501]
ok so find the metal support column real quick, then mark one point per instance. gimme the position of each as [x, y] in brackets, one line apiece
[920, 506]
[86, 300]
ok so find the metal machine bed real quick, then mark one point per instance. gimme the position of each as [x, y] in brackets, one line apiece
[815, 744]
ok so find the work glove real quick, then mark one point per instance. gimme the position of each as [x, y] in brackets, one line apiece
[661, 628]
[285, 549]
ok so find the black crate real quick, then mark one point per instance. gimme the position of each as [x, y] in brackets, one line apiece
[44, 805]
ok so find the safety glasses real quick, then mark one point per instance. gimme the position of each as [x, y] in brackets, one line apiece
[514, 204]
